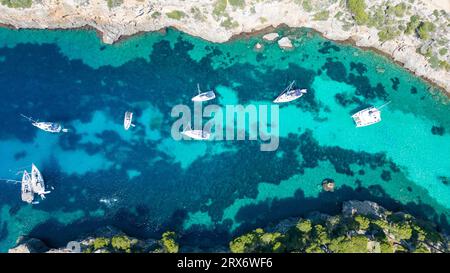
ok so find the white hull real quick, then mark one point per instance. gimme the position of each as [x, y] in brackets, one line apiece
[290, 96]
[50, 127]
[197, 134]
[37, 182]
[27, 191]
[127, 121]
[204, 96]
[367, 117]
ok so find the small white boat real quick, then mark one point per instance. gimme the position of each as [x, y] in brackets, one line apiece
[196, 134]
[368, 116]
[204, 96]
[127, 120]
[290, 94]
[27, 191]
[37, 182]
[51, 127]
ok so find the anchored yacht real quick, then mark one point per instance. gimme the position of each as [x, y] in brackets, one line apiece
[290, 94]
[27, 191]
[203, 96]
[196, 134]
[37, 182]
[368, 116]
[127, 120]
[51, 127]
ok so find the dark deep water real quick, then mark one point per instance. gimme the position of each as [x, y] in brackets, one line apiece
[144, 182]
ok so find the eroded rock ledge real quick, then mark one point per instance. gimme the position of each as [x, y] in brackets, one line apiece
[414, 33]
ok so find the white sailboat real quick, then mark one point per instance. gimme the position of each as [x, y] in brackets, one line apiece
[27, 191]
[368, 116]
[127, 121]
[51, 127]
[290, 94]
[203, 96]
[37, 182]
[196, 134]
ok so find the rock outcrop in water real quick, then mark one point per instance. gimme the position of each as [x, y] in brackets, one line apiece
[414, 33]
[363, 226]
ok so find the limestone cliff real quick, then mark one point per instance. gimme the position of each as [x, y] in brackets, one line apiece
[415, 33]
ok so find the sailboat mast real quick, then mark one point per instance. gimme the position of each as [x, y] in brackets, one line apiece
[384, 105]
[30, 119]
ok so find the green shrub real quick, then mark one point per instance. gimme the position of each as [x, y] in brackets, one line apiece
[363, 222]
[358, 9]
[219, 7]
[176, 14]
[307, 6]
[304, 226]
[244, 243]
[197, 13]
[237, 3]
[229, 23]
[387, 33]
[101, 242]
[399, 9]
[156, 14]
[412, 25]
[355, 244]
[114, 3]
[121, 243]
[321, 16]
[443, 51]
[444, 65]
[17, 3]
[424, 30]
[169, 243]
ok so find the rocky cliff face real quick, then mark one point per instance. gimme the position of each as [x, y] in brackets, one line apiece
[379, 24]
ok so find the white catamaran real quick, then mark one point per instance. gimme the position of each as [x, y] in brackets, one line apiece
[290, 94]
[27, 191]
[127, 121]
[37, 182]
[205, 96]
[51, 127]
[196, 134]
[368, 116]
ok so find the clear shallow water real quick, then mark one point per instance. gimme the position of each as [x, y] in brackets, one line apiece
[145, 182]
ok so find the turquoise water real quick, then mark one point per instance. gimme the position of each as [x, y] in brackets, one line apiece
[145, 182]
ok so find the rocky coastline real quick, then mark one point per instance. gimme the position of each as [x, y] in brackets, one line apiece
[413, 33]
[362, 226]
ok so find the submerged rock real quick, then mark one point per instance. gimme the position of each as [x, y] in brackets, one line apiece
[285, 43]
[271, 36]
[258, 47]
[29, 245]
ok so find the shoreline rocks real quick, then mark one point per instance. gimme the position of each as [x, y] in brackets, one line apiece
[271, 36]
[285, 43]
[200, 19]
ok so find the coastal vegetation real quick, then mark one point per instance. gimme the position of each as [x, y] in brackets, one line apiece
[384, 233]
[17, 3]
[168, 242]
[176, 14]
[362, 227]
[358, 9]
[219, 7]
[114, 3]
[321, 15]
